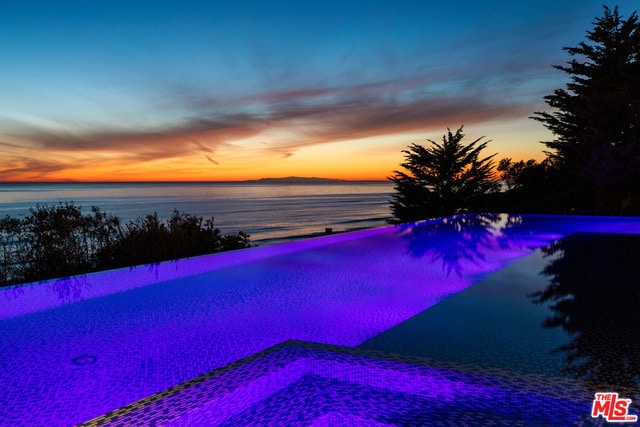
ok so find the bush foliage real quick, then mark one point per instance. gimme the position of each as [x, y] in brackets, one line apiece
[59, 240]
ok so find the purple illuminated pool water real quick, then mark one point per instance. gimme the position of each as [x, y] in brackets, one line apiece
[78, 348]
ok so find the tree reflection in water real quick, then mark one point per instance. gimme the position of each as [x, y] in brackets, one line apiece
[595, 290]
[454, 240]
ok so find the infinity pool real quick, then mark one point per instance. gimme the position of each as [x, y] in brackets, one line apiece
[375, 327]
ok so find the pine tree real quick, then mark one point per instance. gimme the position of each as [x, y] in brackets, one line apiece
[596, 120]
[443, 179]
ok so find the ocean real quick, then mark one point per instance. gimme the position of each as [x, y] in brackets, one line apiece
[269, 212]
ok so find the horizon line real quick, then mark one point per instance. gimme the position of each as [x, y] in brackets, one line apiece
[259, 180]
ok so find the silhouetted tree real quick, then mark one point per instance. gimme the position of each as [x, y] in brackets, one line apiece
[597, 117]
[444, 179]
[531, 186]
[520, 174]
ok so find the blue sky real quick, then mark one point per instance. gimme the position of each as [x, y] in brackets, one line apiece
[137, 90]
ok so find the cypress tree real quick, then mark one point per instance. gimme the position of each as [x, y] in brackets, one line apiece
[444, 179]
[596, 119]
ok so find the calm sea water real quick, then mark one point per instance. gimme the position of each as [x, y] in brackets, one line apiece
[268, 212]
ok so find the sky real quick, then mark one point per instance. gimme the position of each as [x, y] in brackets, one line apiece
[112, 90]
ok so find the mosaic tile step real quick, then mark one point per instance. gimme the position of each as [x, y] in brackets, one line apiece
[303, 383]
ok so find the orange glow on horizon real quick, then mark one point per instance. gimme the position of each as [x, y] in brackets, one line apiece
[373, 158]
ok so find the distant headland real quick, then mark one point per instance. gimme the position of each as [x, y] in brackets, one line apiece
[297, 180]
[277, 180]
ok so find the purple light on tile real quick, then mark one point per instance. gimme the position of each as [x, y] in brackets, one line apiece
[150, 328]
[312, 384]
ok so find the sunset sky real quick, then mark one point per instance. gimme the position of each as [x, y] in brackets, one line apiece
[231, 90]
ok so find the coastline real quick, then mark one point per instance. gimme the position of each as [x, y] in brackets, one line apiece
[327, 232]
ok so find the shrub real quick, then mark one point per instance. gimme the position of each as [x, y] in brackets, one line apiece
[58, 240]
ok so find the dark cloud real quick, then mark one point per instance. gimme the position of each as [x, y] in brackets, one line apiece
[202, 147]
[202, 134]
[211, 160]
[33, 169]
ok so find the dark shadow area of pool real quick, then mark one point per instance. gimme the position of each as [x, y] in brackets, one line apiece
[572, 309]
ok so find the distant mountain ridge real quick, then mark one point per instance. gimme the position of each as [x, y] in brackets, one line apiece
[296, 180]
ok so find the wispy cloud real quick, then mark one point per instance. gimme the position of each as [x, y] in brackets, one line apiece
[211, 160]
[199, 135]
[31, 168]
[308, 116]
[293, 76]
